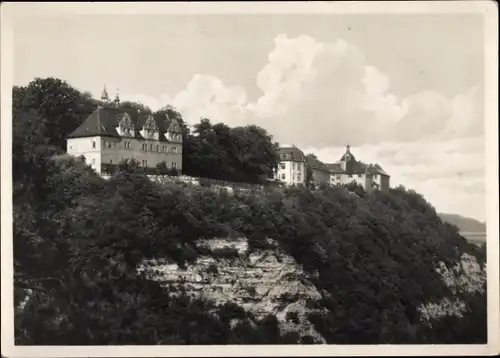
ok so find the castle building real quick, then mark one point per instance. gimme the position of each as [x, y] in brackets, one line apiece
[292, 168]
[348, 170]
[112, 134]
[320, 174]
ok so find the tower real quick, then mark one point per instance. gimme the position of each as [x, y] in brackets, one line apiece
[347, 159]
[104, 95]
[117, 99]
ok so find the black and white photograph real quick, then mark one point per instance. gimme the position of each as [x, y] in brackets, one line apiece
[243, 179]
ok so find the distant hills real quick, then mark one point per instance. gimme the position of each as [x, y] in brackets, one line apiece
[464, 224]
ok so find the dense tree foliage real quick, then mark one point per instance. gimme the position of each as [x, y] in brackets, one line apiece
[61, 107]
[241, 154]
[79, 240]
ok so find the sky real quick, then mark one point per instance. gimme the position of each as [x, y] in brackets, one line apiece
[404, 91]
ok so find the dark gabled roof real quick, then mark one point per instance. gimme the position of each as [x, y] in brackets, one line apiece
[316, 164]
[104, 120]
[377, 169]
[293, 154]
[356, 168]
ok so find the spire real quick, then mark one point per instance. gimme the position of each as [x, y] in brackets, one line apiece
[117, 98]
[104, 95]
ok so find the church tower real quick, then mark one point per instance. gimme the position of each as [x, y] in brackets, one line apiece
[104, 95]
[117, 99]
[347, 161]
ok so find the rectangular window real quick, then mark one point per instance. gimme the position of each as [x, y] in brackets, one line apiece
[151, 147]
[93, 144]
[111, 161]
[338, 177]
[174, 150]
[93, 161]
[283, 165]
[359, 175]
[114, 145]
[350, 175]
[174, 165]
[158, 148]
[109, 144]
[283, 176]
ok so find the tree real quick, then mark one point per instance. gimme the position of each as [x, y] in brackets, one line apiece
[61, 107]
[173, 113]
[135, 106]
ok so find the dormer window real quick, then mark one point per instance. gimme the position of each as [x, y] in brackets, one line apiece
[126, 126]
[150, 129]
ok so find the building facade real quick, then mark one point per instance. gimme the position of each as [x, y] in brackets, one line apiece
[319, 171]
[111, 134]
[348, 170]
[292, 168]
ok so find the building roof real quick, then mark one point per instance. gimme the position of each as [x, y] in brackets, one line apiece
[292, 154]
[354, 166]
[104, 120]
[316, 164]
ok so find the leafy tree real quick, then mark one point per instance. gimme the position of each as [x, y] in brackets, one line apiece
[62, 107]
[135, 106]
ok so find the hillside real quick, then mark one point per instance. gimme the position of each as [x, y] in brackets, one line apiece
[464, 224]
[130, 261]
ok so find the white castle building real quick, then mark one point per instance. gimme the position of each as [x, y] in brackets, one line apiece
[111, 134]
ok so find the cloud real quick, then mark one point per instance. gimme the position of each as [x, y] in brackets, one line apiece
[327, 94]
[321, 96]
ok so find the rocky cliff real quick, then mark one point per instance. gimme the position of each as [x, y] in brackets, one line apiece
[262, 282]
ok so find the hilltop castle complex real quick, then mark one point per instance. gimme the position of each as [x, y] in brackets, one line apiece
[112, 134]
[292, 170]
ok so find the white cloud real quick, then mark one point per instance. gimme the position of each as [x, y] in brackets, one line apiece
[322, 96]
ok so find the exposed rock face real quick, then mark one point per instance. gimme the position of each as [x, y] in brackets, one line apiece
[262, 282]
[466, 276]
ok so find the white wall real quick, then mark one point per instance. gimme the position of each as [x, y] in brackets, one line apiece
[84, 146]
[346, 179]
[294, 172]
[114, 151]
[110, 150]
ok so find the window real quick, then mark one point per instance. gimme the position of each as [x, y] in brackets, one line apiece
[359, 175]
[93, 161]
[350, 175]
[109, 144]
[151, 147]
[174, 165]
[283, 176]
[111, 161]
[93, 144]
[338, 177]
[174, 150]
[283, 165]
[114, 145]
[158, 148]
